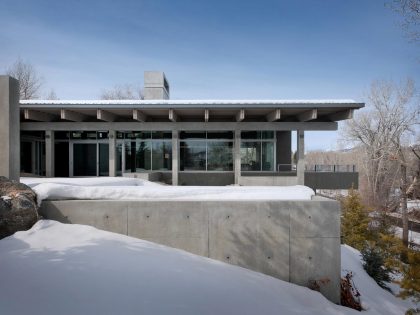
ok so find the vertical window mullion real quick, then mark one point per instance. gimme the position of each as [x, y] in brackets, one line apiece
[207, 152]
[151, 158]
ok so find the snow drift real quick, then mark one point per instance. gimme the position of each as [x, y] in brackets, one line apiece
[133, 189]
[59, 268]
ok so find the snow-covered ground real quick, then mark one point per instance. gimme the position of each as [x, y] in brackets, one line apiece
[132, 189]
[413, 237]
[59, 268]
[375, 300]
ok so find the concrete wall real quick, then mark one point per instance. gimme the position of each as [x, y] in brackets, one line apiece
[151, 176]
[332, 180]
[156, 87]
[9, 128]
[268, 180]
[296, 241]
[206, 178]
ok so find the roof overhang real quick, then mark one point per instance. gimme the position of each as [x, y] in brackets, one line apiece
[188, 110]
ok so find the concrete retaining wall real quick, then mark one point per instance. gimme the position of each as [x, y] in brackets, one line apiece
[296, 241]
[268, 180]
[206, 178]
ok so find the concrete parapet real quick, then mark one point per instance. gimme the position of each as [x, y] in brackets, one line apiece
[296, 241]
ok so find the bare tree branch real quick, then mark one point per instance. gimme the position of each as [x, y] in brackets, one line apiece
[29, 80]
[122, 92]
[409, 11]
[380, 132]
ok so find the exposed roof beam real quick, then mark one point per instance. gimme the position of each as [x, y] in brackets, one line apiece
[72, 116]
[240, 115]
[274, 115]
[105, 115]
[173, 116]
[308, 115]
[206, 115]
[158, 125]
[345, 114]
[38, 116]
[139, 116]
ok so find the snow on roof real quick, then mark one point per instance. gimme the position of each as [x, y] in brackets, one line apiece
[187, 102]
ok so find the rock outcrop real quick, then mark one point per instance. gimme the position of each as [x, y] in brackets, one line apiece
[18, 207]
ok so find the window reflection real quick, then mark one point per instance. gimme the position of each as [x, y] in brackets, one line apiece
[206, 151]
[257, 151]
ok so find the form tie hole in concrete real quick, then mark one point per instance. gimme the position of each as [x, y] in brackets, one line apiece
[188, 216]
[269, 257]
[227, 257]
[107, 216]
[147, 216]
[228, 217]
[310, 257]
[269, 216]
[310, 217]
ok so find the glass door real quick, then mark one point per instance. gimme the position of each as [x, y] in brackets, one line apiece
[90, 158]
[84, 159]
[103, 159]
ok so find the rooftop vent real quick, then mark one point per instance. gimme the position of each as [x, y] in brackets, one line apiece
[156, 87]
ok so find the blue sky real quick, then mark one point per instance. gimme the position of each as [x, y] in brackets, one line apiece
[211, 49]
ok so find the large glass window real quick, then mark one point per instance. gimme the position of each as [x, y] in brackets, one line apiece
[32, 153]
[193, 155]
[144, 151]
[143, 156]
[257, 151]
[119, 159]
[251, 156]
[219, 156]
[206, 151]
[162, 155]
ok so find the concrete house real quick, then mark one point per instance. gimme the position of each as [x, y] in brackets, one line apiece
[190, 142]
[180, 142]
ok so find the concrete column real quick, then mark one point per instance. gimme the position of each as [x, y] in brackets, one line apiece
[175, 157]
[112, 138]
[237, 156]
[300, 167]
[49, 153]
[9, 128]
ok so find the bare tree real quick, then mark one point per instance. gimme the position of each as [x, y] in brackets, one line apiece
[29, 80]
[51, 95]
[410, 13]
[413, 190]
[122, 92]
[382, 132]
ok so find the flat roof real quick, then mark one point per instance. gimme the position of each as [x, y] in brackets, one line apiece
[326, 110]
[197, 103]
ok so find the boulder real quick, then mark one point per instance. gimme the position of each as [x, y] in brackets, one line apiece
[18, 207]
